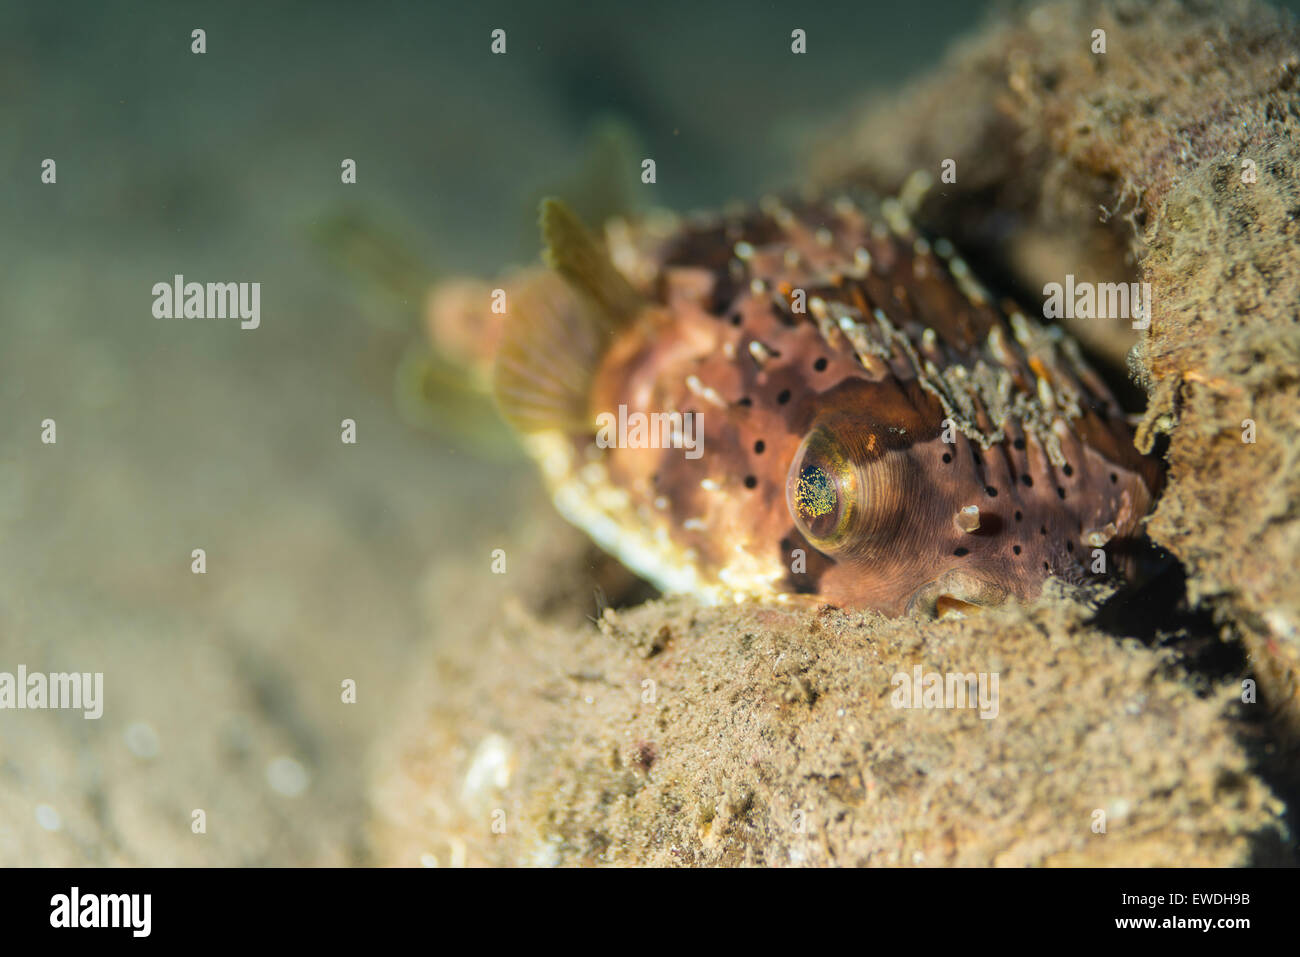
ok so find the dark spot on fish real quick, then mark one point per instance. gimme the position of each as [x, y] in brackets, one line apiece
[1028, 482]
[1019, 444]
[1060, 493]
[746, 401]
[1046, 567]
[1016, 549]
[820, 364]
[1069, 546]
[946, 458]
[759, 446]
[784, 396]
[751, 482]
[737, 318]
[1068, 470]
[1113, 478]
[1042, 530]
[1018, 515]
[959, 552]
[991, 491]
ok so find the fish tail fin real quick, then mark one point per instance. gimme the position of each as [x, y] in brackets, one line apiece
[377, 253]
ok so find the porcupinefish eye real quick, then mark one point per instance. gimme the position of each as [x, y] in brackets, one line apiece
[821, 491]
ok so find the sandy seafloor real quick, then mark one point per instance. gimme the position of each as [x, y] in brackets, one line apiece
[325, 562]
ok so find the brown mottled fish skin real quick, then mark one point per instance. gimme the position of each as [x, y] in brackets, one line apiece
[825, 470]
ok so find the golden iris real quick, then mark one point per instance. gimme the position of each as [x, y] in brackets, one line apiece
[821, 491]
[814, 493]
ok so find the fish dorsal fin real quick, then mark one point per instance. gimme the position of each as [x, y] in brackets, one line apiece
[558, 328]
[573, 252]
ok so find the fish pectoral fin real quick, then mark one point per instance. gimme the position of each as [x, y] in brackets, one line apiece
[558, 327]
[955, 594]
[947, 606]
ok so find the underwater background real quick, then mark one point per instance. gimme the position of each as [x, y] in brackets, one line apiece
[222, 690]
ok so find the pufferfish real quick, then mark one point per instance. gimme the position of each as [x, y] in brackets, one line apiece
[873, 429]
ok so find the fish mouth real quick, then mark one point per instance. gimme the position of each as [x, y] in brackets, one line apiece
[954, 590]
